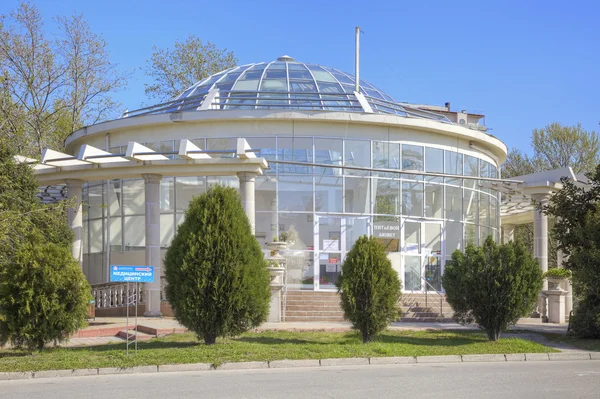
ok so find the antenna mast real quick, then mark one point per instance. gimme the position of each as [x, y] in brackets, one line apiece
[357, 61]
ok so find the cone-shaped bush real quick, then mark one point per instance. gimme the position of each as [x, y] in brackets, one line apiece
[218, 283]
[492, 285]
[43, 296]
[369, 288]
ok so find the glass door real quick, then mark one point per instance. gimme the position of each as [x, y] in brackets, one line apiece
[334, 237]
[422, 255]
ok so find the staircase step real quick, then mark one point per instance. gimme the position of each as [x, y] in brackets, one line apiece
[314, 313]
[426, 319]
[313, 318]
[140, 335]
[322, 308]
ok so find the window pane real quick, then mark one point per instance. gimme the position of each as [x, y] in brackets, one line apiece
[134, 197]
[471, 166]
[357, 195]
[167, 230]
[95, 200]
[412, 157]
[471, 236]
[265, 194]
[470, 206]
[454, 235]
[387, 196]
[412, 199]
[328, 152]
[167, 195]
[328, 194]
[386, 155]
[295, 193]
[434, 160]
[298, 149]
[357, 153]
[454, 200]
[96, 235]
[300, 227]
[187, 188]
[454, 163]
[135, 233]
[434, 200]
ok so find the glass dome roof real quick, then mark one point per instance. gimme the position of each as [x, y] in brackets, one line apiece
[285, 84]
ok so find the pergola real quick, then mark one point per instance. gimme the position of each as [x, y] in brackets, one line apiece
[519, 207]
[58, 170]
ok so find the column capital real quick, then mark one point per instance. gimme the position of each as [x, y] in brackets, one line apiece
[75, 183]
[151, 177]
[541, 197]
[247, 176]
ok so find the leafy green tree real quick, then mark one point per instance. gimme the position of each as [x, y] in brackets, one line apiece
[218, 283]
[174, 70]
[577, 210]
[369, 288]
[492, 285]
[554, 146]
[43, 292]
[51, 85]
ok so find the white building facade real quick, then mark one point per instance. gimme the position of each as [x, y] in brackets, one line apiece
[341, 164]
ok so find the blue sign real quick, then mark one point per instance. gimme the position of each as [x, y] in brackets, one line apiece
[131, 274]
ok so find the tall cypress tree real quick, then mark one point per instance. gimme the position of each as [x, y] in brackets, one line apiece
[43, 292]
[218, 283]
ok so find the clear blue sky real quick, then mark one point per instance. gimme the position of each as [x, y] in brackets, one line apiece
[522, 63]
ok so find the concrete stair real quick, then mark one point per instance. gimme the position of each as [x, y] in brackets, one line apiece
[425, 308]
[313, 306]
[140, 335]
[325, 306]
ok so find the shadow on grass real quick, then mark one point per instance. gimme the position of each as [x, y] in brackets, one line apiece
[13, 354]
[141, 345]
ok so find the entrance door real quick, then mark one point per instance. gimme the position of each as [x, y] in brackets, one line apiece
[422, 247]
[334, 237]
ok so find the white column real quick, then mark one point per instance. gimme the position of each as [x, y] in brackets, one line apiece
[75, 217]
[247, 188]
[540, 235]
[152, 198]
[540, 248]
[508, 233]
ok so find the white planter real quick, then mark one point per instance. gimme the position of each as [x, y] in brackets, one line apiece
[554, 283]
[277, 245]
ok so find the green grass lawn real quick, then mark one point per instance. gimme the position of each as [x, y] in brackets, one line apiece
[581, 343]
[270, 345]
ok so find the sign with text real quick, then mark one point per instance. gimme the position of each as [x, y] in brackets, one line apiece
[131, 274]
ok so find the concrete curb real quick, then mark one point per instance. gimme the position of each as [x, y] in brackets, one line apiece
[278, 364]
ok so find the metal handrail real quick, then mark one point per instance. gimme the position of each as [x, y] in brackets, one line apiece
[439, 293]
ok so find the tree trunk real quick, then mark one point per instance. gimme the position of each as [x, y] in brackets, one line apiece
[493, 334]
[365, 337]
[210, 339]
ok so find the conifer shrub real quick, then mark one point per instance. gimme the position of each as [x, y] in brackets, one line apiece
[218, 283]
[43, 296]
[369, 288]
[492, 285]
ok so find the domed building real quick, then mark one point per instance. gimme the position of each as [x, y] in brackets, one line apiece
[341, 163]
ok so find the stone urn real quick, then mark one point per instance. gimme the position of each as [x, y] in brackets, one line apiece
[554, 283]
[277, 245]
[277, 272]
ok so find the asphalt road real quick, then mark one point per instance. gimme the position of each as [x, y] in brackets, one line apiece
[531, 380]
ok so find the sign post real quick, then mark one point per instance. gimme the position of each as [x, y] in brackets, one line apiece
[136, 275]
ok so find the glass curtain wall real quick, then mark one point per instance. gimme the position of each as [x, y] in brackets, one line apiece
[306, 202]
